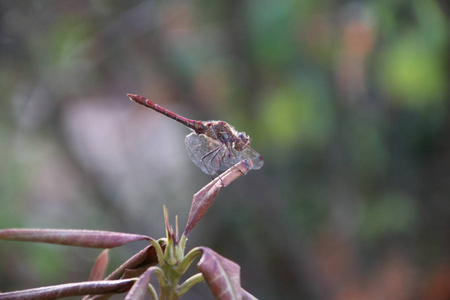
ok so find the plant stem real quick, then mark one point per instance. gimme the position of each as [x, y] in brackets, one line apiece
[169, 292]
[190, 282]
[183, 242]
[188, 259]
[159, 252]
[152, 292]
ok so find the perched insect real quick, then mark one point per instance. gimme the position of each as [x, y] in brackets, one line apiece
[214, 146]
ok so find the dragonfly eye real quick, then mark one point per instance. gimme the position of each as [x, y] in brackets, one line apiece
[244, 138]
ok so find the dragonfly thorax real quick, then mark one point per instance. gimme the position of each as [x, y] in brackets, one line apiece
[227, 135]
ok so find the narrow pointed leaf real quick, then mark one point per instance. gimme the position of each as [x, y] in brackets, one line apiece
[140, 288]
[139, 262]
[133, 273]
[72, 237]
[99, 268]
[221, 274]
[133, 267]
[98, 297]
[71, 289]
[247, 296]
[203, 199]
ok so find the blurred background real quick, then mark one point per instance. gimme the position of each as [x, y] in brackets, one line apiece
[347, 101]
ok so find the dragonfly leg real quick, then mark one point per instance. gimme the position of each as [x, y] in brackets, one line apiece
[214, 153]
[246, 160]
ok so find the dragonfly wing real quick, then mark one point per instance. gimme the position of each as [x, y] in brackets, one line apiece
[199, 145]
[248, 154]
[211, 156]
[254, 157]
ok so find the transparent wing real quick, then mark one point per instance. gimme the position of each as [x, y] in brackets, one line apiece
[233, 156]
[199, 145]
[211, 156]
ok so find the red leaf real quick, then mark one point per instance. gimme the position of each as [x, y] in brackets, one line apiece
[247, 296]
[203, 199]
[72, 237]
[132, 268]
[139, 289]
[221, 274]
[71, 289]
[139, 262]
[98, 270]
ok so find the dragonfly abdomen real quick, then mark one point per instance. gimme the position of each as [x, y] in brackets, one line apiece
[197, 126]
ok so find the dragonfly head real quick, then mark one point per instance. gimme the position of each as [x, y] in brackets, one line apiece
[243, 140]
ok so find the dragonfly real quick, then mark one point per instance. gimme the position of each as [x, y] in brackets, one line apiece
[213, 146]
